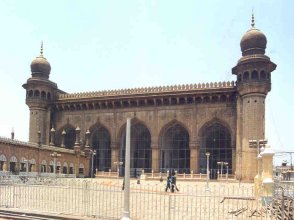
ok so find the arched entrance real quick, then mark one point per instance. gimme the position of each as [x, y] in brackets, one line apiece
[174, 149]
[216, 139]
[140, 148]
[100, 141]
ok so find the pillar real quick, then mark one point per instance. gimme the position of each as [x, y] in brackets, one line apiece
[233, 160]
[155, 160]
[194, 156]
[114, 158]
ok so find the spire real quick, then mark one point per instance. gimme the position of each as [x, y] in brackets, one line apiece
[41, 52]
[252, 19]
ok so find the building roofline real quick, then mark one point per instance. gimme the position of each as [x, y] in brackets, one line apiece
[148, 90]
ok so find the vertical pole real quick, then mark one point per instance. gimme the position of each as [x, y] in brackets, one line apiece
[207, 170]
[54, 167]
[222, 164]
[126, 212]
[92, 164]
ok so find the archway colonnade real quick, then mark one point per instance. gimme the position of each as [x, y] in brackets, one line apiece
[175, 149]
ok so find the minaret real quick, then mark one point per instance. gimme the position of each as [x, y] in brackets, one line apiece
[40, 91]
[253, 72]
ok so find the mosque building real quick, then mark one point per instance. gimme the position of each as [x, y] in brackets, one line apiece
[172, 127]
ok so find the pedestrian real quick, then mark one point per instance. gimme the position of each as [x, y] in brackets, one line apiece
[173, 181]
[168, 182]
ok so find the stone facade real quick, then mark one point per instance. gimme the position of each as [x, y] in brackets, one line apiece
[173, 126]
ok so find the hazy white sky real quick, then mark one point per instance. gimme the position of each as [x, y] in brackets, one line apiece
[98, 45]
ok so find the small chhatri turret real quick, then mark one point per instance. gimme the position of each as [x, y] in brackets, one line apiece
[40, 67]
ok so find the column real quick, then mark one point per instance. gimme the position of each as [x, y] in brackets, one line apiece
[233, 161]
[114, 158]
[155, 160]
[194, 156]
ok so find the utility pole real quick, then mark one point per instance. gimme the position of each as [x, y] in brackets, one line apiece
[126, 212]
[207, 170]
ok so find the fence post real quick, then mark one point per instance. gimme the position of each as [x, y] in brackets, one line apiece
[169, 206]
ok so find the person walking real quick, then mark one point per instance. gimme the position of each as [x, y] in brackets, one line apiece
[168, 182]
[173, 181]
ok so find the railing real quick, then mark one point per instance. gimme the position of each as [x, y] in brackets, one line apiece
[104, 199]
[157, 176]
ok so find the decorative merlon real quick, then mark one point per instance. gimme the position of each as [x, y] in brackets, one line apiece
[147, 90]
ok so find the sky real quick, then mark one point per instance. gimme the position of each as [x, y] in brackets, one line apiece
[101, 45]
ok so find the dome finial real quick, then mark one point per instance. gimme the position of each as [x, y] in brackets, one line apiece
[41, 52]
[252, 19]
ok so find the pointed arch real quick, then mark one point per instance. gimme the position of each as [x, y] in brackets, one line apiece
[13, 159]
[2, 157]
[174, 147]
[100, 140]
[215, 138]
[170, 124]
[69, 137]
[140, 147]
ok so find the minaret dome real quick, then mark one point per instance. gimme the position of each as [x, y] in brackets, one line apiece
[40, 67]
[253, 41]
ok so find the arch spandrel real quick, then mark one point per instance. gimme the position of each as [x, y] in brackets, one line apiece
[169, 124]
[207, 123]
[135, 120]
[98, 125]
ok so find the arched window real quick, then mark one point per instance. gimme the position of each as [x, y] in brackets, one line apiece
[262, 75]
[174, 148]
[48, 96]
[71, 168]
[31, 93]
[214, 99]
[198, 100]
[246, 76]
[100, 141]
[43, 95]
[43, 166]
[215, 139]
[2, 161]
[254, 75]
[206, 99]
[36, 93]
[64, 168]
[223, 98]
[12, 164]
[140, 148]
